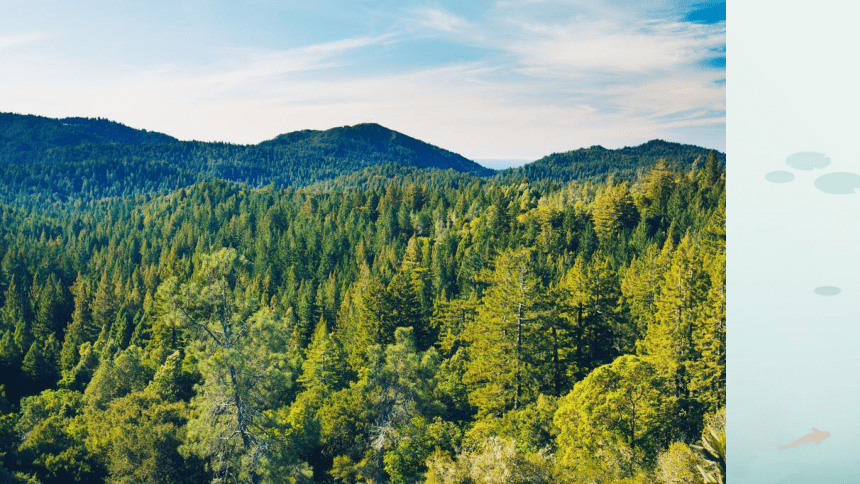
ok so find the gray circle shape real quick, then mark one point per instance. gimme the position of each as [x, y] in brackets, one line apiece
[779, 176]
[807, 160]
[838, 183]
[827, 290]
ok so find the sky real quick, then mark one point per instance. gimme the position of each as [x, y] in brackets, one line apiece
[503, 80]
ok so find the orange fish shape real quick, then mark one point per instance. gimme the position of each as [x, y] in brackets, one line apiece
[816, 436]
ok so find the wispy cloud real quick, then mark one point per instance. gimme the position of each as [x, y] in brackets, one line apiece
[438, 19]
[9, 41]
[574, 48]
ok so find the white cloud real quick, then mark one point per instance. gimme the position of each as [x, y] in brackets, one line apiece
[10, 41]
[577, 47]
[438, 19]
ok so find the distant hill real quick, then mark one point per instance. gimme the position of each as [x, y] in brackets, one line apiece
[46, 160]
[373, 144]
[64, 159]
[23, 137]
[625, 163]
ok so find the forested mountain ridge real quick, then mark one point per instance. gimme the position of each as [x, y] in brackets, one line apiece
[596, 162]
[45, 160]
[377, 145]
[75, 158]
[23, 138]
[390, 324]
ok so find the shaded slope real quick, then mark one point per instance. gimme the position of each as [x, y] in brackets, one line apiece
[67, 159]
[597, 162]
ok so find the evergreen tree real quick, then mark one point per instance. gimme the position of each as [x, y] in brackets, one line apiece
[503, 371]
[324, 369]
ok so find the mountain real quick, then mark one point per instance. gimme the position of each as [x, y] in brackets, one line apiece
[374, 144]
[23, 137]
[71, 158]
[49, 160]
[624, 163]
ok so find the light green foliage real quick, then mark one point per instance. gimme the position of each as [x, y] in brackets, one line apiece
[418, 439]
[116, 377]
[324, 369]
[681, 317]
[174, 379]
[246, 367]
[640, 287]
[503, 369]
[713, 448]
[620, 415]
[657, 186]
[496, 461]
[678, 465]
[451, 318]
[682, 292]
[402, 386]
[138, 437]
[54, 432]
[614, 211]
[709, 370]
[530, 426]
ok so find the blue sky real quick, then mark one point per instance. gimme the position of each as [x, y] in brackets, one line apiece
[504, 79]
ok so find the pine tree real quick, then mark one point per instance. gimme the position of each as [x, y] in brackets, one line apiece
[105, 303]
[81, 329]
[671, 338]
[325, 369]
[708, 373]
[13, 309]
[614, 211]
[504, 337]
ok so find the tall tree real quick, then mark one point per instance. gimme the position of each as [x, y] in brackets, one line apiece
[503, 368]
[246, 364]
[614, 211]
[616, 418]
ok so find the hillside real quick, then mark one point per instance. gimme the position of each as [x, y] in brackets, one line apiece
[26, 137]
[77, 158]
[61, 160]
[625, 163]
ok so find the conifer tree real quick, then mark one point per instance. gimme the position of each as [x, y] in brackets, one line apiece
[614, 211]
[324, 369]
[503, 338]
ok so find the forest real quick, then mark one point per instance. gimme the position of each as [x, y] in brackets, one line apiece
[371, 322]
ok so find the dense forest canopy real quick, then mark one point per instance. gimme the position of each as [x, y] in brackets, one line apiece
[370, 321]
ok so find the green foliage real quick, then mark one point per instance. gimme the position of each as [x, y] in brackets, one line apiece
[246, 367]
[621, 413]
[53, 444]
[381, 324]
[138, 436]
[713, 448]
[678, 465]
[614, 211]
[65, 159]
[325, 369]
[590, 163]
[497, 460]
[504, 366]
